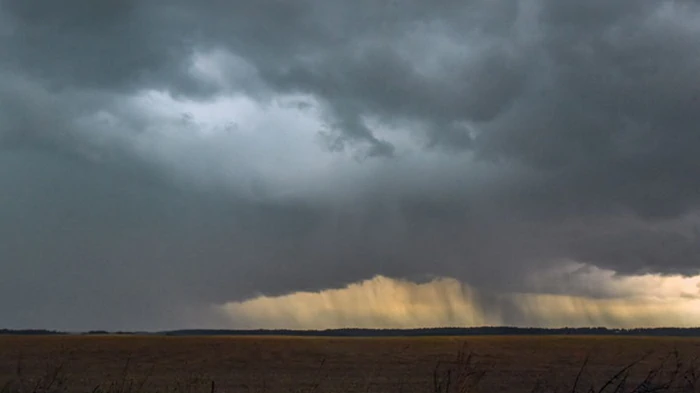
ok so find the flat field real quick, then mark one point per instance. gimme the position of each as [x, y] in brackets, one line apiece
[123, 364]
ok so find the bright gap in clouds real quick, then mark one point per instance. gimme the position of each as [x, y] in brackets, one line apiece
[382, 302]
[269, 148]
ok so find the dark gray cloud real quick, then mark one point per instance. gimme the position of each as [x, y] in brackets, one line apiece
[522, 134]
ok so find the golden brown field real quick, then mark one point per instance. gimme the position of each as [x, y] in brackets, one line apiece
[284, 364]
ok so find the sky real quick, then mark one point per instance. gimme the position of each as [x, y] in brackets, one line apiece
[324, 163]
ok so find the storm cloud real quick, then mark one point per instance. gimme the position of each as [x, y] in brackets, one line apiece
[163, 159]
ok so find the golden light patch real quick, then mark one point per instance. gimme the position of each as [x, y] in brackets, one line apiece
[382, 302]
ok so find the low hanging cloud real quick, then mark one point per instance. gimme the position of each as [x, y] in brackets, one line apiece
[157, 160]
[381, 302]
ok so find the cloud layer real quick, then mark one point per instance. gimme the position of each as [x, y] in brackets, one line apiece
[161, 158]
[381, 302]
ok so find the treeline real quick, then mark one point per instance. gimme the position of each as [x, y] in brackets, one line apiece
[29, 332]
[444, 331]
[105, 332]
[44, 332]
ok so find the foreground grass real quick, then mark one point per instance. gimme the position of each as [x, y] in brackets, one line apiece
[462, 374]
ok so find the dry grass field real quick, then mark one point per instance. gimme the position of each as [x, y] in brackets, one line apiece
[123, 364]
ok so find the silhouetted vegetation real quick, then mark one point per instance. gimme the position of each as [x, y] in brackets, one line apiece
[446, 331]
[443, 331]
[29, 332]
